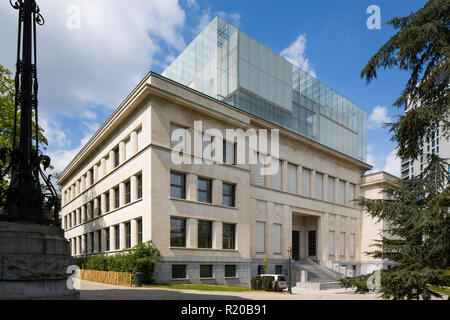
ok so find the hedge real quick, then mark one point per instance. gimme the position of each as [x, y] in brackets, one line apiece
[265, 283]
[141, 258]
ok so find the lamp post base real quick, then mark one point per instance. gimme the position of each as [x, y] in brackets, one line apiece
[33, 262]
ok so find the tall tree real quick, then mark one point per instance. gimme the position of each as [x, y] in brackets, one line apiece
[417, 214]
[7, 93]
[422, 47]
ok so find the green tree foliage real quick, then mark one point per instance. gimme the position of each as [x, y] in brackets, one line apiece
[7, 93]
[417, 237]
[141, 258]
[421, 47]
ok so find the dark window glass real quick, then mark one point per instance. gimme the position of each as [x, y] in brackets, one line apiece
[99, 208]
[139, 224]
[228, 195]
[139, 186]
[177, 232]
[204, 190]
[179, 271]
[128, 235]
[92, 175]
[107, 202]
[206, 271]
[229, 236]
[117, 238]
[99, 237]
[279, 269]
[91, 209]
[92, 244]
[116, 157]
[260, 269]
[177, 185]
[117, 196]
[127, 192]
[312, 243]
[205, 234]
[230, 271]
[108, 239]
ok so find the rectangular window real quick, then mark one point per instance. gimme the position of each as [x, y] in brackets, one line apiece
[260, 226]
[228, 194]
[99, 206]
[229, 231]
[277, 238]
[342, 244]
[99, 238]
[331, 243]
[179, 271]
[139, 225]
[204, 190]
[117, 197]
[260, 270]
[91, 209]
[278, 269]
[292, 178]
[352, 245]
[205, 234]
[128, 149]
[177, 232]
[116, 156]
[230, 271]
[91, 171]
[258, 177]
[341, 192]
[319, 186]
[178, 185]
[331, 189]
[306, 177]
[128, 235]
[117, 234]
[107, 200]
[312, 243]
[139, 186]
[92, 244]
[127, 192]
[352, 192]
[229, 153]
[108, 239]
[206, 271]
[275, 179]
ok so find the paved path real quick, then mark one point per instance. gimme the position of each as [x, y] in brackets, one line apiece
[100, 291]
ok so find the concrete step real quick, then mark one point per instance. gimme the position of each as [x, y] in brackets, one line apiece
[317, 285]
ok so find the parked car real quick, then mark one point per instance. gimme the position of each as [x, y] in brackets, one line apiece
[281, 278]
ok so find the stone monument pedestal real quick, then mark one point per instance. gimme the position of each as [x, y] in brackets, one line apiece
[33, 262]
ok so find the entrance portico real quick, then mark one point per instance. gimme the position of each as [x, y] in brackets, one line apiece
[305, 236]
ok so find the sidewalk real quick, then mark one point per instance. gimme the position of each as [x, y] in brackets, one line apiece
[100, 291]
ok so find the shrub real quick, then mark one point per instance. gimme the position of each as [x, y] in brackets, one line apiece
[141, 258]
[266, 283]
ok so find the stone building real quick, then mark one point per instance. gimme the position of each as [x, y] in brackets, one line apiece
[216, 221]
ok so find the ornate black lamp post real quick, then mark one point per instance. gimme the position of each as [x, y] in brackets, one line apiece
[26, 199]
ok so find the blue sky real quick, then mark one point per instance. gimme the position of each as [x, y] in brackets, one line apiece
[87, 70]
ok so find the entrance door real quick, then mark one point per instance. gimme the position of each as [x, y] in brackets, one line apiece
[295, 245]
[312, 243]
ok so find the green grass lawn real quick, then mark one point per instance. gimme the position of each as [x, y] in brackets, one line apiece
[201, 287]
[443, 290]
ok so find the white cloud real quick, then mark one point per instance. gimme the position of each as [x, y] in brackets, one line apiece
[102, 61]
[392, 164]
[52, 131]
[295, 54]
[378, 117]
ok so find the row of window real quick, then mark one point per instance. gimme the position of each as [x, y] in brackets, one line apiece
[100, 169]
[204, 189]
[96, 207]
[204, 234]
[179, 271]
[229, 157]
[93, 241]
[341, 243]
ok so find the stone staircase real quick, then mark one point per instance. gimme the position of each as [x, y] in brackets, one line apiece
[318, 277]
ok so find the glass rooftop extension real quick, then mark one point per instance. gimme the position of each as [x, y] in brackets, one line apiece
[226, 64]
